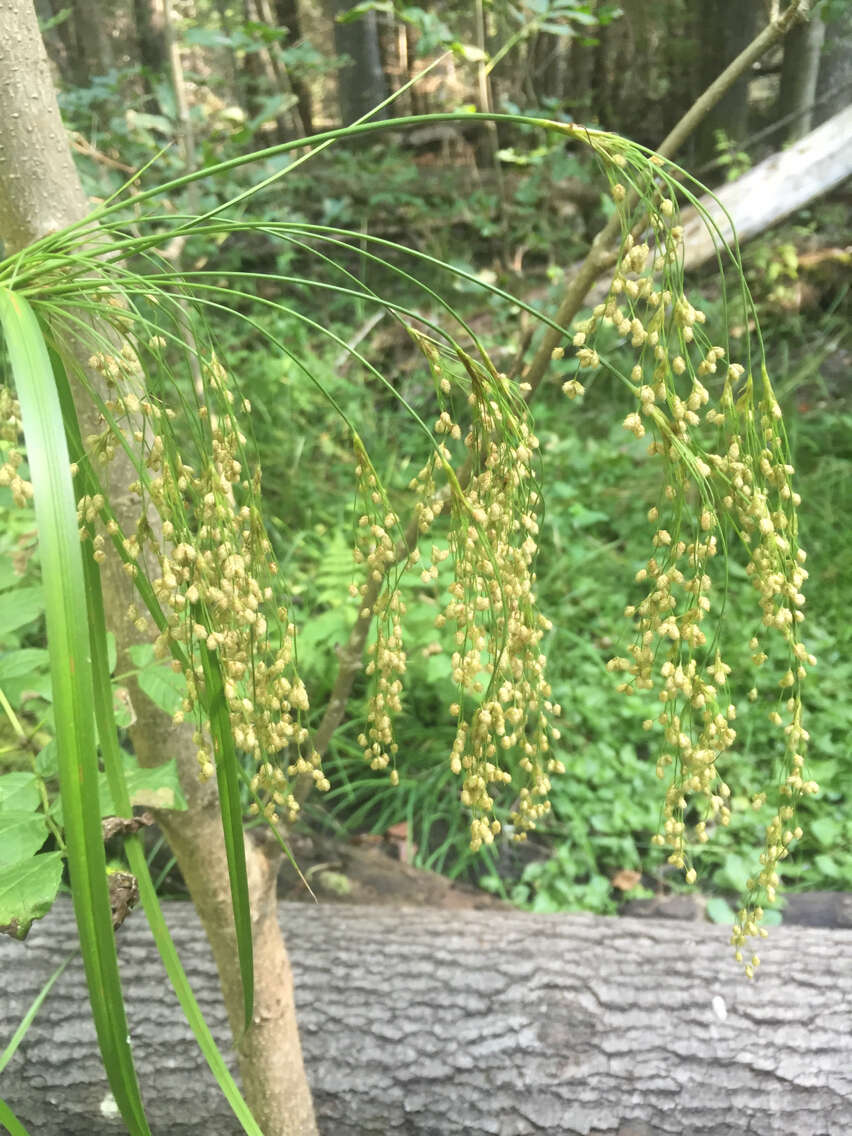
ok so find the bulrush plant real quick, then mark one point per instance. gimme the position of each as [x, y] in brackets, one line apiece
[91, 315]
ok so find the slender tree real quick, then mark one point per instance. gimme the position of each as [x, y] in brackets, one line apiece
[834, 84]
[40, 192]
[149, 17]
[287, 15]
[802, 53]
[360, 80]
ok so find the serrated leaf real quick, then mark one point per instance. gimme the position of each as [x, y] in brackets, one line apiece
[825, 829]
[21, 835]
[18, 607]
[157, 788]
[16, 664]
[734, 873]
[29, 887]
[9, 578]
[36, 684]
[438, 667]
[19, 792]
[47, 762]
[165, 687]
[719, 911]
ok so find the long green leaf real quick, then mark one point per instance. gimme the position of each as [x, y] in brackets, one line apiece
[71, 678]
[136, 854]
[27, 1020]
[220, 730]
[232, 820]
[10, 1122]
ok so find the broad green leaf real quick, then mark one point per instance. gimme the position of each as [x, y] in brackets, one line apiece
[47, 762]
[157, 788]
[9, 578]
[826, 830]
[719, 910]
[320, 633]
[28, 888]
[19, 792]
[164, 687]
[17, 664]
[36, 684]
[206, 37]
[438, 667]
[18, 607]
[734, 873]
[21, 835]
[827, 865]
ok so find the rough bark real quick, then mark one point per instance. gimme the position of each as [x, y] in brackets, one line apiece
[149, 20]
[287, 14]
[426, 1023]
[834, 85]
[802, 51]
[360, 81]
[41, 193]
[774, 189]
[93, 48]
[727, 26]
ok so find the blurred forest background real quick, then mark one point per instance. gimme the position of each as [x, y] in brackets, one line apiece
[191, 82]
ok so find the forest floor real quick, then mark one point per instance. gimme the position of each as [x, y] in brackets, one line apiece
[374, 870]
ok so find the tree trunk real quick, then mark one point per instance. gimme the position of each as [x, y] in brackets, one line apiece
[802, 50]
[360, 81]
[430, 1023]
[287, 15]
[725, 27]
[834, 85]
[40, 193]
[93, 50]
[149, 18]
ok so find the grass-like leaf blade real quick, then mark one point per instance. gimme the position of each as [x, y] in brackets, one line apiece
[232, 820]
[136, 855]
[71, 680]
[27, 1020]
[10, 1122]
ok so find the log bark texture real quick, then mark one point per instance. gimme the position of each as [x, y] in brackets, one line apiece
[434, 1023]
[773, 189]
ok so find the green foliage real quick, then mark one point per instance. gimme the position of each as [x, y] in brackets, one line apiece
[243, 656]
[733, 161]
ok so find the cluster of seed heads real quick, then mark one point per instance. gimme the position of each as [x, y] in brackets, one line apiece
[212, 572]
[11, 432]
[727, 478]
[201, 546]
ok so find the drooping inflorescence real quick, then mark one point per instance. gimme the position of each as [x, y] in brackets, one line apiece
[717, 429]
[200, 547]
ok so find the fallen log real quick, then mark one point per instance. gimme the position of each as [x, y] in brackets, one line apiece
[466, 1023]
[772, 190]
